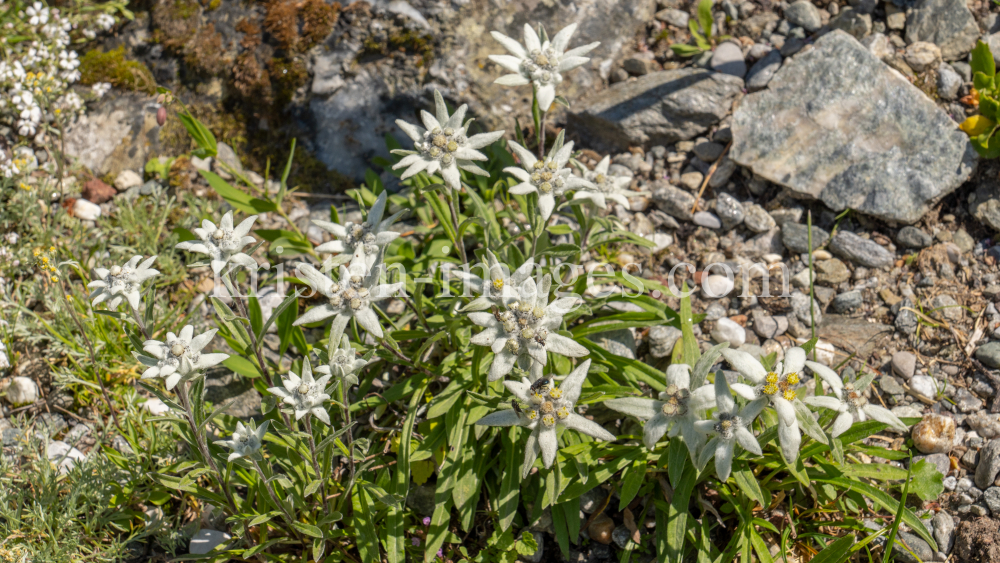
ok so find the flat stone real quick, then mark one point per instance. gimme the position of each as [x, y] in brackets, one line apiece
[673, 201]
[674, 17]
[716, 286]
[728, 330]
[708, 151]
[854, 335]
[852, 22]
[800, 306]
[966, 401]
[847, 301]
[921, 549]
[904, 364]
[619, 342]
[756, 218]
[991, 497]
[662, 339]
[944, 531]
[984, 205]
[832, 272]
[989, 464]
[949, 82]
[912, 237]
[223, 385]
[835, 123]
[206, 540]
[803, 14]
[934, 434]
[946, 306]
[85, 210]
[657, 109]
[924, 385]
[922, 55]
[861, 251]
[947, 23]
[989, 354]
[63, 455]
[707, 220]
[127, 179]
[763, 71]
[795, 237]
[21, 391]
[729, 210]
[118, 133]
[728, 59]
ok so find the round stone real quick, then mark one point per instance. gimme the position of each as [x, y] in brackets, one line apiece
[935, 434]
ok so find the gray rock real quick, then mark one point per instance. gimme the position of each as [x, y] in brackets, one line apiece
[205, 541]
[891, 385]
[728, 59]
[657, 109]
[227, 158]
[947, 23]
[619, 342]
[708, 151]
[946, 306]
[852, 22]
[767, 326]
[831, 272]
[863, 6]
[729, 210]
[756, 218]
[906, 319]
[984, 205]
[861, 251]
[904, 364]
[803, 14]
[795, 237]
[540, 540]
[924, 385]
[674, 17]
[707, 220]
[847, 301]
[51, 423]
[944, 531]
[895, 155]
[966, 401]
[763, 71]
[991, 497]
[912, 237]
[223, 385]
[673, 201]
[948, 82]
[119, 133]
[723, 172]
[662, 340]
[989, 464]
[921, 549]
[989, 354]
[800, 306]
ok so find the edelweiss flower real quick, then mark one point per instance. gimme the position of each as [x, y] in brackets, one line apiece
[524, 331]
[544, 409]
[770, 387]
[246, 440]
[178, 357]
[850, 401]
[352, 296]
[677, 409]
[548, 178]
[443, 146]
[730, 428]
[368, 237]
[501, 290]
[541, 64]
[306, 395]
[122, 283]
[344, 363]
[606, 186]
[223, 243]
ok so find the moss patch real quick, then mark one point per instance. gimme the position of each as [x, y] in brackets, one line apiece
[98, 66]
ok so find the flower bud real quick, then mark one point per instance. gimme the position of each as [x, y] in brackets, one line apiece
[116, 270]
[303, 389]
[161, 116]
[177, 349]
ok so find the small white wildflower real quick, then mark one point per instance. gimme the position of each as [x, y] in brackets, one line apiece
[541, 64]
[37, 14]
[604, 186]
[12, 238]
[101, 88]
[776, 387]
[352, 296]
[677, 409]
[524, 331]
[223, 243]
[849, 401]
[542, 412]
[4, 360]
[304, 394]
[548, 178]
[122, 283]
[105, 21]
[344, 363]
[729, 425]
[371, 236]
[500, 288]
[179, 357]
[443, 146]
[246, 441]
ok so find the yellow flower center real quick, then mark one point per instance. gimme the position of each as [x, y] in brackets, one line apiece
[792, 378]
[789, 395]
[771, 378]
[555, 393]
[770, 389]
[498, 284]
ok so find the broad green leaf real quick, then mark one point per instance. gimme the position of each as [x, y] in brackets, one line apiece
[705, 17]
[364, 526]
[982, 59]
[632, 482]
[837, 551]
[235, 197]
[242, 366]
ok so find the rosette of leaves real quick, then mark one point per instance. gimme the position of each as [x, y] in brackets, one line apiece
[982, 129]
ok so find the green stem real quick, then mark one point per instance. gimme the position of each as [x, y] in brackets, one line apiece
[315, 459]
[454, 221]
[812, 299]
[274, 499]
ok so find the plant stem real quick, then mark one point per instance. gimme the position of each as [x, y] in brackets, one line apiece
[182, 394]
[138, 321]
[812, 314]
[253, 337]
[458, 236]
[541, 137]
[93, 356]
[315, 459]
[274, 499]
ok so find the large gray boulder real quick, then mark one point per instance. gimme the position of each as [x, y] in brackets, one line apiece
[119, 133]
[657, 109]
[837, 124]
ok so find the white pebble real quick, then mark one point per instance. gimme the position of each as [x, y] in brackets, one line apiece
[22, 391]
[63, 455]
[128, 179]
[772, 258]
[924, 385]
[86, 211]
[156, 407]
[716, 286]
[728, 330]
[661, 240]
[706, 219]
[206, 540]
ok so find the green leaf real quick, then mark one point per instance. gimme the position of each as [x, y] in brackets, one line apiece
[395, 544]
[235, 197]
[256, 317]
[308, 529]
[242, 366]
[987, 144]
[747, 483]
[989, 107]
[685, 50]
[705, 17]
[264, 518]
[364, 526]
[632, 482]
[279, 310]
[836, 552]
[677, 512]
[690, 352]
[982, 60]
[982, 82]
[207, 145]
[890, 543]
[927, 482]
